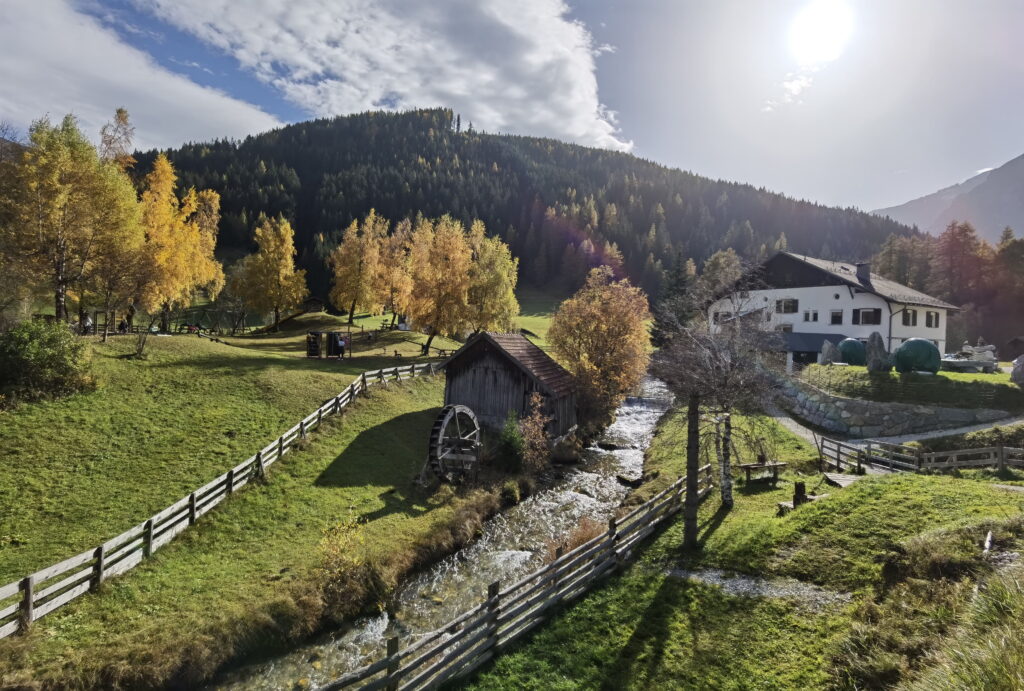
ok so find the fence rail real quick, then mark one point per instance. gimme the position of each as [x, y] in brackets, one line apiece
[36, 595]
[898, 457]
[508, 613]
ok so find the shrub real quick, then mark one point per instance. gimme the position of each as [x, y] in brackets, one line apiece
[508, 451]
[510, 493]
[39, 360]
[536, 452]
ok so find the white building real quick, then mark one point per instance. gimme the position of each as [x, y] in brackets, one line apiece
[813, 300]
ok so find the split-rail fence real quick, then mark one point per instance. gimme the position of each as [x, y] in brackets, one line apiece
[37, 594]
[899, 457]
[509, 612]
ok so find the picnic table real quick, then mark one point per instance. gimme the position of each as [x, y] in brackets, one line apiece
[772, 470]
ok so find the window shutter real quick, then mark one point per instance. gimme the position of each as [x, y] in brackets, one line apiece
[856, 316]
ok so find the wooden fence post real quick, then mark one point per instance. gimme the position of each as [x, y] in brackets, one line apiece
[337, 404]
[918, 459]
[98, 569]
[302, 429]
[192, 509]
[280, 447]
[261, 469]
[28, 586]
[1002, 458]
[147, 540]
[613, 537]
[319, 416]
[493, 610]
[230, 482]
[393, 662]
[363, 377]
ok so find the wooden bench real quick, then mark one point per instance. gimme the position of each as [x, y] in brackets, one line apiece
[773, 475]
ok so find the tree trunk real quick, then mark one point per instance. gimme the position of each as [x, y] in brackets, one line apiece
[723, 459]
[277, 319]
[59, 309]
[691, 503]
[165, 318]
[426, 346]
[352, 313]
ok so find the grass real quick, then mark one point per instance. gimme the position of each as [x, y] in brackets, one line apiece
[535, 311]
[952, 389]
[78, 471]
[645, 629]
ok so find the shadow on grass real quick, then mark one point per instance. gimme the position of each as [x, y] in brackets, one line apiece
[755, 487]
[391, 453]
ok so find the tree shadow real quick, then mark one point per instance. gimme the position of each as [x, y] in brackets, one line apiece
[706, 529]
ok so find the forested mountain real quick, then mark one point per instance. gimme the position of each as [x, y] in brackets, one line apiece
[989, 201]
[561, 207]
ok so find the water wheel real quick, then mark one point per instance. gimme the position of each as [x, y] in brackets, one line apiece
[453, 453]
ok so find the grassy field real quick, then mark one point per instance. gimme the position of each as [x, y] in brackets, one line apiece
[77, 471]
[535, 310]
[906, 548]
[954, 389]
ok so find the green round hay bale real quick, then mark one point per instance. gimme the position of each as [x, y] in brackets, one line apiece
[853, 352]
[917, 355]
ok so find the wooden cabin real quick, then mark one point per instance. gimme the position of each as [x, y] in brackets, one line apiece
[494, 373]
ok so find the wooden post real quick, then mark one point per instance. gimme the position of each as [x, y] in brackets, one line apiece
[28, 586]
[147, 540]
[799, 494]
[613, 537]
[337, 404]
[302, 430]
[98, 569]
[393, 662]
[319, 416]
[280, 447]
[917, 458]
[493, 610]
[230, 482]
[1002, 458]
[261, 470]
[363, 380]
[192, 509]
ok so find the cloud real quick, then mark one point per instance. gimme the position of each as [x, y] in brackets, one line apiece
[793, 85]
[517, 66]
[56, 61]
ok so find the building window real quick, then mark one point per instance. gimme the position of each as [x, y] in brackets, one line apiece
[931, 320]
[867, 316]
[835, 317]
[811, 315]
[787, 306]
[785, 328]
[909, 317]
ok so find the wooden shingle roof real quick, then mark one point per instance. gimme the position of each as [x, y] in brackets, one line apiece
[549, 374]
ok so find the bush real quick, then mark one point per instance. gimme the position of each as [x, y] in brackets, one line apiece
[39, 360]
[508, 451]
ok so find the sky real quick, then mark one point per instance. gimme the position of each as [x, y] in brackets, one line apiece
[848, 103]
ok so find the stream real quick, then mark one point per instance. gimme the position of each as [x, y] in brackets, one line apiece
[511, 544]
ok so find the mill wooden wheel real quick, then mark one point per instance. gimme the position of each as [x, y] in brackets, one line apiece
[454, 450]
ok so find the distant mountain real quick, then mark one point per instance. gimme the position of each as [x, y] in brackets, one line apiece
[562, 208]
[990, 201]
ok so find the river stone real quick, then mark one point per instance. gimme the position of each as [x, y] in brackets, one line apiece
[877, 357]
[829, 353]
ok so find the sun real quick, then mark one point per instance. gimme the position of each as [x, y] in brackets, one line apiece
[820, 31]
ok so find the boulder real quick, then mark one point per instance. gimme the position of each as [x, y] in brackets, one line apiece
[830, 353]
[876, 355]
[1017, 375]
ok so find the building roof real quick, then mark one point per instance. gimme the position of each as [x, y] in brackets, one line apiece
[882, 287]
[549, 374]
[802, 342]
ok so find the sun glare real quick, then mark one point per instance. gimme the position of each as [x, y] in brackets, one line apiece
[820, 32]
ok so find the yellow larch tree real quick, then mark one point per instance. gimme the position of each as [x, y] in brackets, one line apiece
[269, 281]
[180, 239]
[492, 282]
[394, 276]
[355, 265]
[600, 335]
[441, 261]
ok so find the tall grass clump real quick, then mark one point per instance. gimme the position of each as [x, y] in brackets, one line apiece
[40, 360]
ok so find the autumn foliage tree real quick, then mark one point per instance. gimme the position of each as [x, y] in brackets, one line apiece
[180, 239]
[394, 274]
[268, 279]
[492, 282]
[356, 264]
[600, 335]
[441, 261]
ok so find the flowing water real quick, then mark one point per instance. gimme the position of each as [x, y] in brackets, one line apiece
[511, 545]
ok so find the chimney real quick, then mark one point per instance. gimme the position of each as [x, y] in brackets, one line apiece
[864, 272]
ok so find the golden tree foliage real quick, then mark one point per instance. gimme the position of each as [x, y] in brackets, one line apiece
[356, 266]
[268, 280]
[600, 335]
[492, 282]
[61, 205]
[441, 260]
[394, 276]
[116, 140]
[180, 239]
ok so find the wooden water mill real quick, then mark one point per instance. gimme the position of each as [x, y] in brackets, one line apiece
[453, 453]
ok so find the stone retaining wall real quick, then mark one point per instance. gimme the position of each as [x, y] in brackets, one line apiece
[855, 417]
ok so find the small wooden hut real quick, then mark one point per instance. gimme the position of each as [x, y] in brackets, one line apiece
[494, 373]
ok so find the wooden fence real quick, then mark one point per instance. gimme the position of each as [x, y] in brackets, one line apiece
[36, 595]
[508, 613]
[899, 457]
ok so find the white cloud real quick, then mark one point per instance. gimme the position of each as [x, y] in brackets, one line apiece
[517, 66]
[55, 61]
